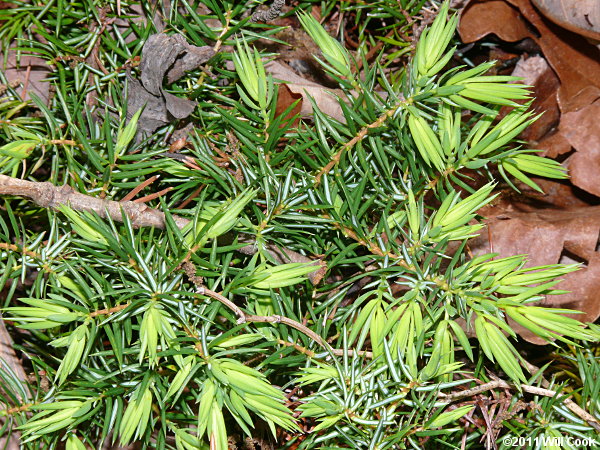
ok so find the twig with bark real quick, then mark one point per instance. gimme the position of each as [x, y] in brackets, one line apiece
[574, 407]
[270, 14]
[47, 195]
[190, 271]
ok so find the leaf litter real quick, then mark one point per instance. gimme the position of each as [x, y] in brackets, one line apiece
[169, 57]
[564, 70]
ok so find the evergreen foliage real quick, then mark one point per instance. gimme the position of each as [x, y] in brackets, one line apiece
[184, 336]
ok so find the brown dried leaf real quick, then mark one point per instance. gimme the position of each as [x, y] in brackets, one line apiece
[480, 18]
[8, 356]
[579, 16]
[582, 130]
[325, 98]
[285, 99]
[576, 63]
[9, 359]
[559, 194]
[553, 145]
[163, 56]
[586, 96]
[155, 109]
[536, 72]
[30, 72]
[135, 15]
[573, 58]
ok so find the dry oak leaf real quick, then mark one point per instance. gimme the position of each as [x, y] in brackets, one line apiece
[169, 57]
[536, 72]
[575, 60]
[480, 18]
[325, 98]
[579, 16]
[30, 73]
[582, 130]
[9, 361]
[576, 63]
[285, 99]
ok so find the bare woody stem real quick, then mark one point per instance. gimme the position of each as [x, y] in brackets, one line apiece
[251, 318]
[289, 322]
[593, 421]
[201, 290]
[47, 195]
[574, 407]
[335, 159]
[246, 318]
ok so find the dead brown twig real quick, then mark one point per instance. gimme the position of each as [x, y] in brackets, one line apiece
[190, 270]
[270, 14]
[47, 195]
[575, 408]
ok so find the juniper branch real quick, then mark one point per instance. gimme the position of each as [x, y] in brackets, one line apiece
[47, 195]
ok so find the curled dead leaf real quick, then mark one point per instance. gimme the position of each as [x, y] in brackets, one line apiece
[324, 98]
[575, 60]
[536, 72]
[480, 18]
[582, 130]
[285, 99]
[28, 73]
[579, 16]
[163, 56]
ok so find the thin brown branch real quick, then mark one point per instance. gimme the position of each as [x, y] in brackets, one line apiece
[534, 390]
[47, 195]
[112, 310]
[16, 409]
[17, 248]
[593, 421]
[245, 318]
[224, 300]
[362, 133]
[64, 142]
[433, 183]
[474, 391]
[251, 318]
[275, 318]
[372, 247]
[298, 347]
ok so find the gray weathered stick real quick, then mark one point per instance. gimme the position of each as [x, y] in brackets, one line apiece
[49, 196]
[270, 14]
